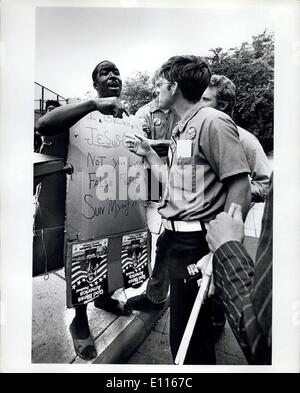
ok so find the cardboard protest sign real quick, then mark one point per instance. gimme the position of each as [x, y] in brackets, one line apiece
[135, 255]
[106, 191]
[105, 199]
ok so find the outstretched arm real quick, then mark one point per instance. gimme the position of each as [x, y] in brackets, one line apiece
[61, 119]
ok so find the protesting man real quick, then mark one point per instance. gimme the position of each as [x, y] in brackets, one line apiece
[108, 84]
[207, 171]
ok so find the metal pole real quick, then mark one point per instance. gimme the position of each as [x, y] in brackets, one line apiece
[43, 98]
[202, 293]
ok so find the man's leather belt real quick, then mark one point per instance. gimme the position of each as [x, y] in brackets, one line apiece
[182, 226]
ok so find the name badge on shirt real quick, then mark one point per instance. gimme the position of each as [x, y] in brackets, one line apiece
[184, 148]
[170, 158]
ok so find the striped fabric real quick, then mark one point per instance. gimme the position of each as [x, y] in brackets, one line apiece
[246, 290]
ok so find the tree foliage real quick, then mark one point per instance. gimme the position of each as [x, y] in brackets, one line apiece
[137, 91]
[251, 68]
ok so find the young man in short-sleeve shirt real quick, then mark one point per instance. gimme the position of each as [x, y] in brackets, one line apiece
[217, 151]
[207, 171]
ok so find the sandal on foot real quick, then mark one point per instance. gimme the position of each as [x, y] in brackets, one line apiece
[84, 348]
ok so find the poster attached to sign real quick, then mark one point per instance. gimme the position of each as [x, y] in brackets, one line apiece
[86, 271]
[134, 259]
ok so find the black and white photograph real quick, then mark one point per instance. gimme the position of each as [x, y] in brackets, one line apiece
[138, 224]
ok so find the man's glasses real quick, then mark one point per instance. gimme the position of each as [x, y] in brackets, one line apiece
[160, 84]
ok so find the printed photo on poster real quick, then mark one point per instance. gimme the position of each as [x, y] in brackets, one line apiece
[87, 278]
[134, 259]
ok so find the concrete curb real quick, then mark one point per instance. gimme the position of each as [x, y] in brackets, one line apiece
[130, 337]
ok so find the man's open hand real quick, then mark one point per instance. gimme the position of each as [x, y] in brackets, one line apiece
[111, 106]
[225, 227]
[138, 144]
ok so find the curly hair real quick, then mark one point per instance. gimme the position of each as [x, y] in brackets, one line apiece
[225, 91]
[54, 103]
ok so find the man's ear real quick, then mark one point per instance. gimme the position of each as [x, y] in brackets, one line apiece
[95, 86]
[222, 105]
[174, 88]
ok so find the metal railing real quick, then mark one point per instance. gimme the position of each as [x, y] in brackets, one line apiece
[44, 95]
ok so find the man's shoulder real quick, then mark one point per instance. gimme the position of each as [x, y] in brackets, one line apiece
[151, 106]
[208, 113]
[247, 137]
[244, 134]
[209, 121]
[207, 116]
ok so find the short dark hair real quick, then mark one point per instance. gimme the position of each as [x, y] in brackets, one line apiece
[96, 69]
[225, 91]
[52, 103]
[192, 73]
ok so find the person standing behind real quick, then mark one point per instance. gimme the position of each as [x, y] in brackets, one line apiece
[221, 94]
[157, 123]
[39, 141]
[207, 171]
[157, 126]
[51, 104]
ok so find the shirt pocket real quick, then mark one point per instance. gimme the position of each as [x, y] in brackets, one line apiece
[187, 169]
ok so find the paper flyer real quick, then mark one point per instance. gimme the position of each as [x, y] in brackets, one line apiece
[134, 259]
[87, 272]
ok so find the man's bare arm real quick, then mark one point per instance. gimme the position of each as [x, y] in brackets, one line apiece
[61, 119]
[238, 192]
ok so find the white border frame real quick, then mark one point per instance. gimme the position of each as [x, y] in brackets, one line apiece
[16, 116]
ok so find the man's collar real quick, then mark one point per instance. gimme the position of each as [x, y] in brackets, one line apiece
[153, 106]
[188, 115]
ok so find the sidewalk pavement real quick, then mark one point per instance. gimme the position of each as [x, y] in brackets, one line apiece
[115, 336]
[142, 335]
[156, 349]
